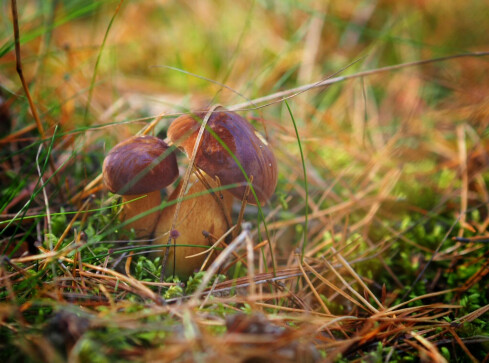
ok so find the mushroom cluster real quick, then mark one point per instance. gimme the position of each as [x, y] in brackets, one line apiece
[230, 154]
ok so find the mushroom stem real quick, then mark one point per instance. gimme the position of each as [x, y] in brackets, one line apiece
[196, 215]
[223, 198]
[135, 207]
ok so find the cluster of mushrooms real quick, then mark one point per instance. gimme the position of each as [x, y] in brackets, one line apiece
[140, 167]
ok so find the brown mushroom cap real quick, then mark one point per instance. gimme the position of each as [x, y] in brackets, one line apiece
[249, 147]
[139, 165]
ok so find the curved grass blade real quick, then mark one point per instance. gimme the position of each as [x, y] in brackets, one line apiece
[94, 75]
[306, 212]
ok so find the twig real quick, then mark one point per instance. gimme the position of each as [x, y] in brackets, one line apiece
[290, 93]
[18, 67]
[313, 289]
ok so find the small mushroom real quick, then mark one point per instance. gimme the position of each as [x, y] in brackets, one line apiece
[246, 144]
[140, 167]
[200, 221]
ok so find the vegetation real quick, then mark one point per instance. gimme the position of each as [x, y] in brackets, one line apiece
[378, 115]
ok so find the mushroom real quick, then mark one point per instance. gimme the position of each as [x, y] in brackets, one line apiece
[215, 161]
[200, 221]
[246, 144]
[140, 167]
